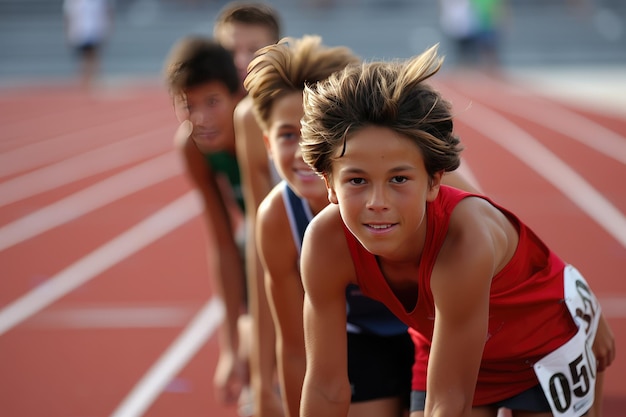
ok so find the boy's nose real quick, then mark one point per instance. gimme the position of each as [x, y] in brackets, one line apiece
[196, 117]
[377, 199]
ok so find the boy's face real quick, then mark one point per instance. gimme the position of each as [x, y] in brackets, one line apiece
[243, 40]
[209, 107]
[381, 186]
[283, 143]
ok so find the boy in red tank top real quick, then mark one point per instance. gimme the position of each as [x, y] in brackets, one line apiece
[499, 320]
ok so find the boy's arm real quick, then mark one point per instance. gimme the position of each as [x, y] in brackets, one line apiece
[474, 249]
[280, 257]
[604, 345]
[325, 262]
[257, 182]
[225, 264]
[604, 351]
[253, 157]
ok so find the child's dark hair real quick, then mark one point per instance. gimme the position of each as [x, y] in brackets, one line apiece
[196, 60]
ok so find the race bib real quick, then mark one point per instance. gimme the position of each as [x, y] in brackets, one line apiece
[568, 375]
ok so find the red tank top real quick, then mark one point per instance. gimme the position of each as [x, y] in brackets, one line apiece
[527, 319]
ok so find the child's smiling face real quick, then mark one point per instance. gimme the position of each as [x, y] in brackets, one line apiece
[382, 187]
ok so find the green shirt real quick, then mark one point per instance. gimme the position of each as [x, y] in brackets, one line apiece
[225, 163]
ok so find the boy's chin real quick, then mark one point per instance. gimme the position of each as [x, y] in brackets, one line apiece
[208, 145]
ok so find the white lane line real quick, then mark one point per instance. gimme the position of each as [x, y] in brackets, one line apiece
[575, 126]
[172, 361]
[529, 150]
[112, 317]
[81, 166]
[78, 204]
[124, 245]
[565, 122]
[51, 150]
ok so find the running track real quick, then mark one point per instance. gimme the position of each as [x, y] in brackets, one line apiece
[106, 308]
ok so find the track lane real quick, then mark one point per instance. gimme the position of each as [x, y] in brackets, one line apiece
[117, 154]
[86, 258]
[76, 141]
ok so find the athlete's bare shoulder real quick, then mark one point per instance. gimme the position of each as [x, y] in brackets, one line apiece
[325, 240]
[271, 211]
[243, 111]
[327, 224]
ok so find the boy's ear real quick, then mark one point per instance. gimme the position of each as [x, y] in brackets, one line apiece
[434, 186]
[332, 195]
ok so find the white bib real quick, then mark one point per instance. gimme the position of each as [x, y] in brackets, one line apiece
[568, 374]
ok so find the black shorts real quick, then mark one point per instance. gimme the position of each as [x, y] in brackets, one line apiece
[532, 399]
[380, 367]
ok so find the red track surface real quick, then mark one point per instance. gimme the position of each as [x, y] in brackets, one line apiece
[105, 301]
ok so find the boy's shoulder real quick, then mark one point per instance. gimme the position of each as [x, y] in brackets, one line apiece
[243, 110]
[326, 228]
[325, 253]
[272, 211]
[275, 237]
[247, 129]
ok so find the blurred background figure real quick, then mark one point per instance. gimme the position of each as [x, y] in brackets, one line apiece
[491, 19]
[475, 28]
[459, 25]
[88, 24]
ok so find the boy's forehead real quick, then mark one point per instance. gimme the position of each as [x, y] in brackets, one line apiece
[231, 32]
[209, 88]
[286, 109]
[375, 141]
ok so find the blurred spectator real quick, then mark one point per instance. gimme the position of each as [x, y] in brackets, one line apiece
[475, 27]
[88, 24]
[458, 23]
[490, 20]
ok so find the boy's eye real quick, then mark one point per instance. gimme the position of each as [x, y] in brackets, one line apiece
[398, 179]
[357, 181]
[288, 136]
